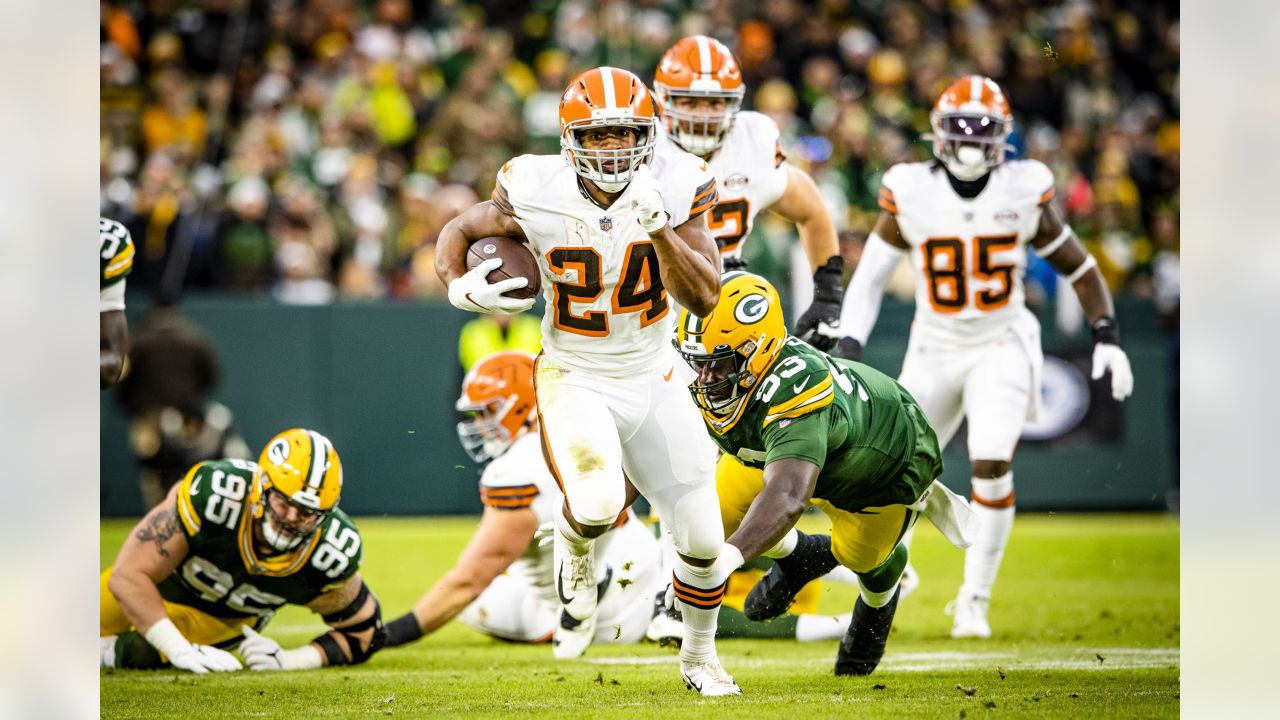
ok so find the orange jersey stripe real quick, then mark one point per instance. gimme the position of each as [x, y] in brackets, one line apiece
[713, 593]
[889, 206]
[509, 491]
[1047, 195]
[699, 208]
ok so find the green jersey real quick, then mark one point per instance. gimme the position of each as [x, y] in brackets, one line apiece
[115, 252]
[224, 576]
[864, 431]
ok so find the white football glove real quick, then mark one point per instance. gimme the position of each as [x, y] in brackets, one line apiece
[729, 559]
[545, 537]
[472, 292]
[169, 640]
[646, 200]
[262, 653]
[1110, 358]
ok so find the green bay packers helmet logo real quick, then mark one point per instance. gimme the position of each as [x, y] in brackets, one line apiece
[278, 451]
[751, 308]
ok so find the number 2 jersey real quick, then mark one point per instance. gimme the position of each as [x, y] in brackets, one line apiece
[866, 433]
[607, 311]
[216, 576]
[969, 254]
[751, 175]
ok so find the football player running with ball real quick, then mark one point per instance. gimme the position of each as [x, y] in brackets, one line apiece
[835, 433]
[232, 543]
[503, 584]
[974, 350]
[615, 225]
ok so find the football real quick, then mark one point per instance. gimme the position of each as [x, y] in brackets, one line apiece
[517, 261]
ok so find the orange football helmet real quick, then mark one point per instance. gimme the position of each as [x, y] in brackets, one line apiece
[971, 122]
[698, 67]
[607, 97]
[497, 396]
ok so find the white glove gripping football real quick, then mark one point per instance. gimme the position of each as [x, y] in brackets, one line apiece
[545, 537]
[169, 640]
[263, 653]
[1110, 358]
[473, 293]
[646, 201]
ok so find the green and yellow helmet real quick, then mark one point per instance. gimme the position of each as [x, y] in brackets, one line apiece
[733, 346]
[303, 468]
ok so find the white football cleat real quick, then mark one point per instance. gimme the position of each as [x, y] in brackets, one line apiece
[909, 582]
[709, 678]
[970, 613]
[576, 585]
[667, 625]
[572, 637]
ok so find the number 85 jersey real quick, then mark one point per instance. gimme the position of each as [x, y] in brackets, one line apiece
[969, 254]
[607, 311]
[223, 574]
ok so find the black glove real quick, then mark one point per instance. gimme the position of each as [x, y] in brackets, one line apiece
[848, 349]
[818, 325]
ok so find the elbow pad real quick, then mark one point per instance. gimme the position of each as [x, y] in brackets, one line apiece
[359, 652]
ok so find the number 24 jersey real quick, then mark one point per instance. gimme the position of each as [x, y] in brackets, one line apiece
[969, 254]
[607, 311]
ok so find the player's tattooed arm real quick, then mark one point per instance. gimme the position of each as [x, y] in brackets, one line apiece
[1058, 245]
[151, 553]
[481, 220]
[689, 264]
[788, 487]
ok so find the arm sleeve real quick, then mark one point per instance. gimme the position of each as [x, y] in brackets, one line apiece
[866, 288]
[111, 297]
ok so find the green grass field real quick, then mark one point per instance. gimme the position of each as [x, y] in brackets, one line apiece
[1085, 617]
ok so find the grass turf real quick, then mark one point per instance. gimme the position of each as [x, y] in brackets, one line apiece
[1085, 620]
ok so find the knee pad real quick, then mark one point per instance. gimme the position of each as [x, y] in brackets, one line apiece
[695, 530]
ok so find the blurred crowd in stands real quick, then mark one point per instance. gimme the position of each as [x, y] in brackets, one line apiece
[313, 149]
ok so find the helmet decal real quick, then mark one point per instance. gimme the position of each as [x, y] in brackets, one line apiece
[278, 451]
[751, 309]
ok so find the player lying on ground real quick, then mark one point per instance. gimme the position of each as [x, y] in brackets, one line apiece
[615, 223]
[503, 584]
[974, 350]
[231, 544]
[838, 434]
[699, 86]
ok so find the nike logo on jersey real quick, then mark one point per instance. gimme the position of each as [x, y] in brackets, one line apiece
[667, 377]
[800, 385]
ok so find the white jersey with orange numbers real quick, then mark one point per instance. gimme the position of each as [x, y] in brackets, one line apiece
[969, 254]
[607, 311]
[751, 175]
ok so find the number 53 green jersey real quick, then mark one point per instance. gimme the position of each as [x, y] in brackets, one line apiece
[223, 575]
[864, 431]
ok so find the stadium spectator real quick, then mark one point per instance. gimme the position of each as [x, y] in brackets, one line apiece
[448, 91]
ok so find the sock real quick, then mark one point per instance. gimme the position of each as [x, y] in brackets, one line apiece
[733, 624]
[811, 628]
[569, 540]
[403, 629]
[879, 585]
[993, 510]
[785, 546]
[107, 651]
[699, 602]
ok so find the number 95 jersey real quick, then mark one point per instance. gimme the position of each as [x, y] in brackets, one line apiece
[224, 576]
[607, 311]
[969, 254]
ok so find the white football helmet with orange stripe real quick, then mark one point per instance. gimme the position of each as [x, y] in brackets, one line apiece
[971, 124]
[497, 395]
[699, 67]
[607, 97]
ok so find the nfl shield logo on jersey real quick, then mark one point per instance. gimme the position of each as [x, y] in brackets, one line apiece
[606, 224]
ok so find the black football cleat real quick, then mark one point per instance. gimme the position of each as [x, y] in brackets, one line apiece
[776, 591]
[863, 644]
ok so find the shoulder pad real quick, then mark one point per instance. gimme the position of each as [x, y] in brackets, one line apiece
[115, 249]
[213, 494]
[799, 383]
[1033, 176]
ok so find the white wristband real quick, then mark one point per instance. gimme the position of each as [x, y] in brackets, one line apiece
[306, 657]
[167, 638]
